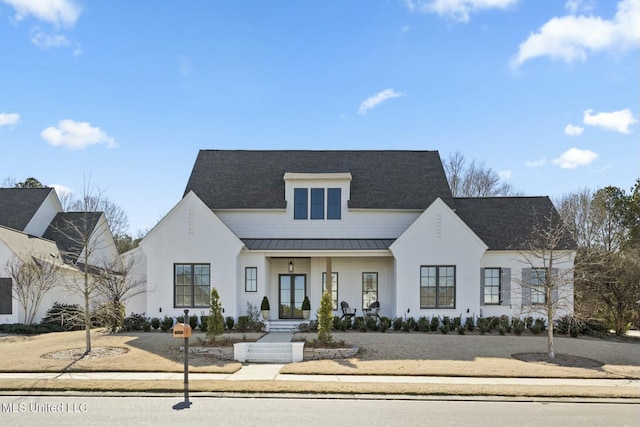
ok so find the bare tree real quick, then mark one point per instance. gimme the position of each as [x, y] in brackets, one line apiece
[547, 279]
[116, 216]
[32, 278]
[85, 240]
[116, 284]
[474, 179]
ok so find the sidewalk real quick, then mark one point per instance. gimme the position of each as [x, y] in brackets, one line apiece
[271, 372]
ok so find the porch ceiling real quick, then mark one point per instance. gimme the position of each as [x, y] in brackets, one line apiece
[317, 244]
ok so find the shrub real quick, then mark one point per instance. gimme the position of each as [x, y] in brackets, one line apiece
[423, 324]
[306, 304]
[215, 327]
[243, 323]
[345, 324]
[134, 322]
[166, 323]
[193, 322]
[33, 329]
[518, 325]
[502, 330]
[359, 324]
[146, 325]
[594, 328]
[155, 323]
[444, 328]
[540, 321]
[398, 322]
[264, 305]
[336, 323]
[528, 322]
[229, 322]
[409, 325]
[536, 328]
[325, 318]
[204, 323]
[456, 322]
[469, 324]
[68, 317]
[461, 330]
[385, 324]
[371, 323]
[505, 323]
[435, 324]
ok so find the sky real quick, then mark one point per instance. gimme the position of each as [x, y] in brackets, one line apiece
[119, 96]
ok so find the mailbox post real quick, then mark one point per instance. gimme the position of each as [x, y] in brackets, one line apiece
[183, 330]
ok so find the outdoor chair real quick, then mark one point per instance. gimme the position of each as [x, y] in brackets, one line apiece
[373, 310]
[346, 310]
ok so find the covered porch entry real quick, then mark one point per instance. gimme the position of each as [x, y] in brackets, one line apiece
[362, 272]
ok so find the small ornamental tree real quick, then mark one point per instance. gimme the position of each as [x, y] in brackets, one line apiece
[325, 319]
[215, 322]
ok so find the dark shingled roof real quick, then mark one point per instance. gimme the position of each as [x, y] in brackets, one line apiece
[317, 244]
[506, 223]
[19, 205]
[380, 179]
[69, 230]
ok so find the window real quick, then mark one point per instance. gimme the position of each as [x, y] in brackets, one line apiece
[251, 279]
[437, 287]
[537, 284]
[191, 285]
[334, 287]
[492, 286]
[334, 200]
[317, 203]
[369, 289]
[300, 203]
[5, 295]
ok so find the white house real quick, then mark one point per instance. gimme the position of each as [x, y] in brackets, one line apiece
[33, 227]
[272, 223]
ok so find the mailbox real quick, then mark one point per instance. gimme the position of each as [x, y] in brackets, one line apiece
[181, 330]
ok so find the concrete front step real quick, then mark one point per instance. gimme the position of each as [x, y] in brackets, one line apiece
[284, 325]
[269, 352]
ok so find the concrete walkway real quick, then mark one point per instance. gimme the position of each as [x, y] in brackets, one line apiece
[271, 372]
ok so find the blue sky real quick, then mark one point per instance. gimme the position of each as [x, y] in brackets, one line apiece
[124, 94]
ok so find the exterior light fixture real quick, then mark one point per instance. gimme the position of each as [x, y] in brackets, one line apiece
[290, 266]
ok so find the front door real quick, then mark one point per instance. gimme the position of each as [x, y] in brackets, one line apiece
[292, 289]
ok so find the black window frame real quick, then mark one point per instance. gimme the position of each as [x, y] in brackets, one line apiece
[377, 280]
[317, 203]
[248, 280]
[334, 203]
[301, 203]
[192, 285]
[438, 287]
[6, 291]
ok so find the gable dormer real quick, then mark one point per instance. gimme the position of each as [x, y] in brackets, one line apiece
[317, 196]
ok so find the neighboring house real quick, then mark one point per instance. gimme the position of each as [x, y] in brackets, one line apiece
[34, 228]
[255, 223]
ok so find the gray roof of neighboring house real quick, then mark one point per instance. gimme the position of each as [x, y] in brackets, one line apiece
[69, 230]
[19, 205]
[317, 244]
[25, 245]
[246, 179]
[507, 223]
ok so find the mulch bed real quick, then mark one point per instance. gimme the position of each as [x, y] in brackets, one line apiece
[565, 360]
[79, 353]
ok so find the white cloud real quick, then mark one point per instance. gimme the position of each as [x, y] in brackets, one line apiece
[47, 41]
[58, 12]
[375, 100]
[618, 121]
[9, 119]
[76, 135]
[575, 6]
[573, 130]
[570, 37]
[574, 157]
[459, 10]
[62, 190]
[535, 163]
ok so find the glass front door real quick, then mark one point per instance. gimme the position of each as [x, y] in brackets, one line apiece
[292, 289]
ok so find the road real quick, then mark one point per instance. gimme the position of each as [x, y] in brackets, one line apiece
[307, 412]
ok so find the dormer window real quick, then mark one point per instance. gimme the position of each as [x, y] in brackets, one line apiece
[317, 196]
[323, 203]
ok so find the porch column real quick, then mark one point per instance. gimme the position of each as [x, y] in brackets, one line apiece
[329, 281]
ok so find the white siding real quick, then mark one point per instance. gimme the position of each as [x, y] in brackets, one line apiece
[438, 238]
[189, 234]
[355, 224]
[44, 215]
